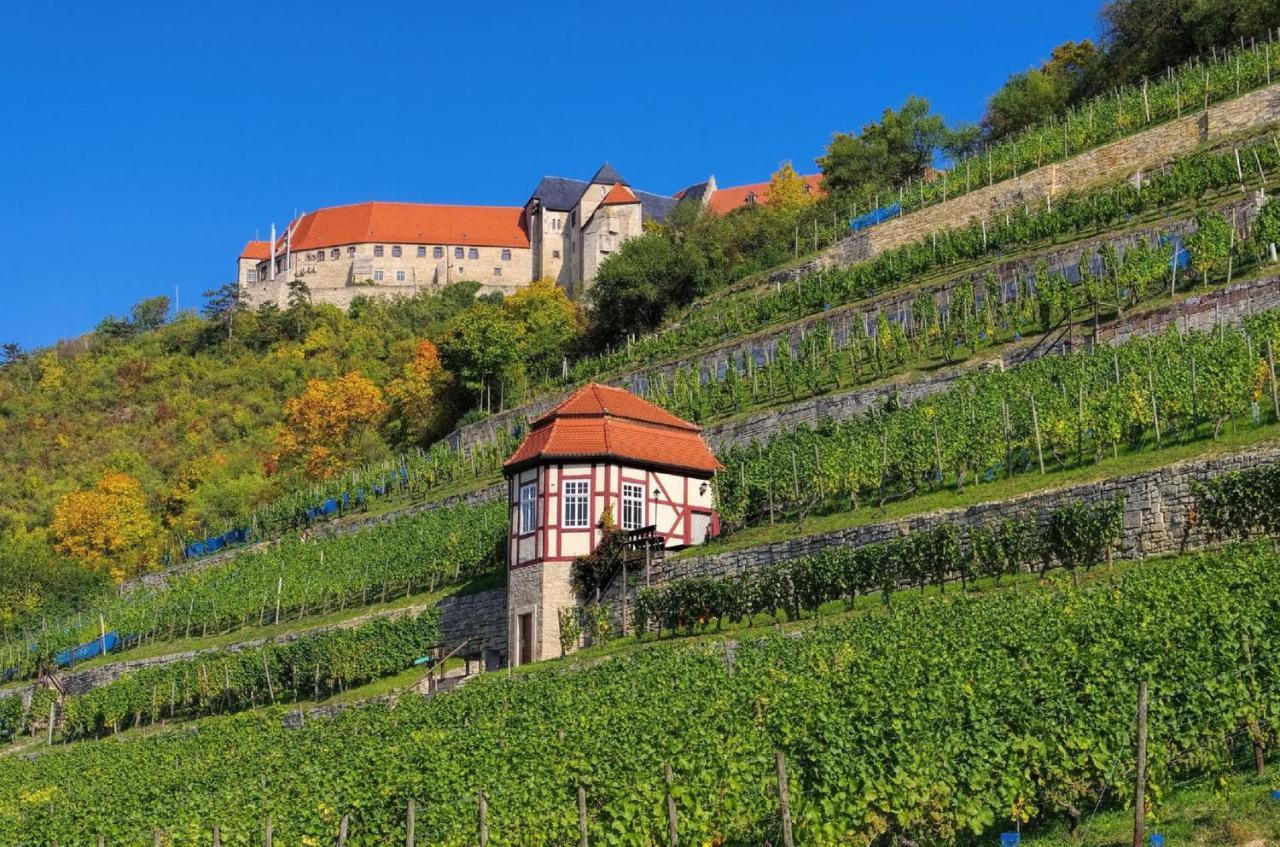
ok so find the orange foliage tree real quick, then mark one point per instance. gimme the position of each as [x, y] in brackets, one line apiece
[419, 396]
[108, 527]
[325, 426]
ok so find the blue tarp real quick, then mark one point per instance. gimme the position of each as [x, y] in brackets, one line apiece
[1180, 254]
[874, 217]
[96, 647]
[213, 545]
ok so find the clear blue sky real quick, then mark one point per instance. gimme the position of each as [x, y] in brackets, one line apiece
[145, 142]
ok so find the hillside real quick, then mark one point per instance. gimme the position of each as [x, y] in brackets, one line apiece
[995, 417]
[864, 752]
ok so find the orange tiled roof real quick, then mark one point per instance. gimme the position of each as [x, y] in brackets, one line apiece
[410, 223]
[256, 250]
[599, 421]
[619, 195]
[727, 199]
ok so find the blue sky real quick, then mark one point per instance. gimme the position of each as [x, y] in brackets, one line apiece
[145, 142]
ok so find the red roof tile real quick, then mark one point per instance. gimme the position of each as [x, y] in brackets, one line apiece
[410, 223]
[619, 195]
[256, 250]
[599, 421]
[727, 199]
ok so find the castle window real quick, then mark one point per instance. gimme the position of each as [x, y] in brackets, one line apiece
[251, 275]
[438, 252]
[457, 252]
[377, 250]
[555, 254]
[351, 251]
[576, 497]
[632, 506]
[335, 253]
[751, 197]
[377, 276]
[528, 508]
[422, 252]
[319, 255]
[497, 271]
[473, 253]
[395, 251]
[399, 276]
[506, 254]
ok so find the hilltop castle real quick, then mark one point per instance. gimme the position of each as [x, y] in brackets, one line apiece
[563, 232]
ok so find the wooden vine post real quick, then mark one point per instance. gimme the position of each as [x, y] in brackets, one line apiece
[784, 799]
[1035, 424]
[672, 821]
[1271, 370]
[482, 813]
[582, 816]
[267, 832]
[342, 830]
[217, 836]
[410, 817]
[1140, 784]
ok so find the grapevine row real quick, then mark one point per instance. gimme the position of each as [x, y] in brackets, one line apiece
[1076, 535]
[933, 717]
[291, 581]
[225, 681]
[1050, 412]
[1071, 216]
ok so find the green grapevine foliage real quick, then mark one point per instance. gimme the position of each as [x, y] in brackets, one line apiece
[929, 719]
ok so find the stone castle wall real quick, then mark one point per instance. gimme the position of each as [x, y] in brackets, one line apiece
[351, 271]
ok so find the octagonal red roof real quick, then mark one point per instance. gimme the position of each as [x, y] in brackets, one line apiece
[602, 422]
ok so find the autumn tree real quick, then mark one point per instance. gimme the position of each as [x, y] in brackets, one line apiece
[108, 527]
[331, 426]
[420, 397]
[548, 322]
[788, 192]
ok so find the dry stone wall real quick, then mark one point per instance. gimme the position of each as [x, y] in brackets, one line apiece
[1157, 504]
[896, 305]
[1116, 160]
[1226, 305]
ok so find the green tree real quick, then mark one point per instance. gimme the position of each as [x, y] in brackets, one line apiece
[481, 346]
[223, 305]
[635, 286]
[887, 153]
[1034, 95]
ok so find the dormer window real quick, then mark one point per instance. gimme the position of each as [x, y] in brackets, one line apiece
[751, 197]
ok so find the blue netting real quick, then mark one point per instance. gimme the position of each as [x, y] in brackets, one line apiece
[874, 217]
[88, 650]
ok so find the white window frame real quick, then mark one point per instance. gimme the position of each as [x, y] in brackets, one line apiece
[633, 500]
[399, 276]
[577, 504]
[251, 275]
[528, 507]
[377, 275]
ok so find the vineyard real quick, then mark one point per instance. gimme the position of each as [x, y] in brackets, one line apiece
[930, 718]
[974, 316]
[289, 581]
[226, 681]
[1048, 413]
[1071, 216]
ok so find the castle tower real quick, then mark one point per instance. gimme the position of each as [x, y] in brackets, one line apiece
[602, 448]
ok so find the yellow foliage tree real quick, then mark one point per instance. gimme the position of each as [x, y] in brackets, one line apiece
[325, 424]
[419, 396]
[108, 527]
[787, 191]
